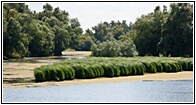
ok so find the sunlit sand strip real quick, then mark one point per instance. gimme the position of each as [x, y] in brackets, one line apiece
[184, 75]
[87, 53]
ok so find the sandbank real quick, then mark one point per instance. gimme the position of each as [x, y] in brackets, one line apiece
[184, 75]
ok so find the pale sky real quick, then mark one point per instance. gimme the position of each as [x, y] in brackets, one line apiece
[90, 14]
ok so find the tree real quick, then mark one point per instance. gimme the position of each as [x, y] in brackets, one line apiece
[144, 36]
[114, 48]
[62, 40]
[85, 42]
[107, 31]
[14, 42]
[177, 38]
[75, 31]
[57, 22]
[42, 43]
[128, 48]
[15, 37]
[101, 31]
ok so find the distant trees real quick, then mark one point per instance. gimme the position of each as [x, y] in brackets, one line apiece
[75, 32]
[112, 39]
[46, 33]
[42, 40]
[148, 32]
[165, 32]
[106, 31]
[177, 31]
[16, 38]
[49, 32]
[57, 22]
[114, 48]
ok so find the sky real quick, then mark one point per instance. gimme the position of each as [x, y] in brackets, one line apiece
[90, 14]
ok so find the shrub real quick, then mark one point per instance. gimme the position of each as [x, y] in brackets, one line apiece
[139, 69]
[114, 48]
[94, 70]
[60, 73]
[39, 75]
[130, 69]
[80, 72]
[69, 72]
[46, 72]
[123, 70]
[133, 70]
[173, 67]
[190, 65]
[184, 65]
[53, 73]
[166, 67]
[159, 67]
[92, 67]
[150, 67]
[178, 66]
[89, 73]
[128, 49]
[108, 71]
[101, 70]
[116, 71]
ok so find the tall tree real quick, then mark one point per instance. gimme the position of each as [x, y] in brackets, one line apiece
[16, 38]
[75, 31]
[42, 43]
[147, 32]
[144, 37]
[177, 37]
[14, 42]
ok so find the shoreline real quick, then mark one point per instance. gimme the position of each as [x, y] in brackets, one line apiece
[20, 73]
[183, 75]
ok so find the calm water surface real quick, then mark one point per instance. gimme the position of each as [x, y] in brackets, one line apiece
[145, 91]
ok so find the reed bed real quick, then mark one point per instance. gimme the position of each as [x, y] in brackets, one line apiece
[94, 67]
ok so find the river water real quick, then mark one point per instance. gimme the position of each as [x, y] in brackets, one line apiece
[129, 92]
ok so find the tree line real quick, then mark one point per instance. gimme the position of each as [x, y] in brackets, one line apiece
[49, 32]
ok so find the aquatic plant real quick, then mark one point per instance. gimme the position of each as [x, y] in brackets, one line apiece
[94, 67]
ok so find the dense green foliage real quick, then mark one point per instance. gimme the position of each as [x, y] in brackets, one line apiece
[167, 32]
[93, 67]
[114, 48]
[26, 33]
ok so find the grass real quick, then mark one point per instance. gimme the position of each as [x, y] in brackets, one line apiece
[94, 67]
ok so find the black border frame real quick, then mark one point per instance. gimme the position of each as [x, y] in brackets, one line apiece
[96, 102]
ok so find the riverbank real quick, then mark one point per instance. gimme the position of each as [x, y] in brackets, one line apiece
[20, 73]
[184, 75]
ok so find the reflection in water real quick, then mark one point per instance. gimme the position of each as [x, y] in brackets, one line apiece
[146, 91]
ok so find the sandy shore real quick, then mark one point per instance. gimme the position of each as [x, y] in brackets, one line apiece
[85, 53]
[184, 75]
[19, 74]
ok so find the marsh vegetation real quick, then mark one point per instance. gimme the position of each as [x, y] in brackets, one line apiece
[94, 67]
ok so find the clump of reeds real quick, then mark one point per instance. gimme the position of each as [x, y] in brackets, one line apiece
[94, 67]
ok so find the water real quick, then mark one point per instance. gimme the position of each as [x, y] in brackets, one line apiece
[145, 91]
